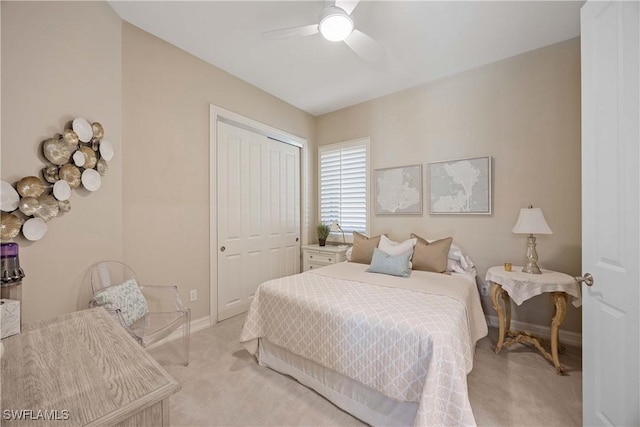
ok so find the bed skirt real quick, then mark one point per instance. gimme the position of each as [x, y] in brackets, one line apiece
[362, 402]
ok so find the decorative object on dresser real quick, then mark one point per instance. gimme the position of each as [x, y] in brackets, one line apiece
[531, 221]
[114, 286]
[323, 232]
[316, 256]
[398, 190]
[81, 369]
[519, 287]
[460, 186]
[77, 156]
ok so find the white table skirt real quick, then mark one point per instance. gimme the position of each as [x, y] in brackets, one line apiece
[522, 286]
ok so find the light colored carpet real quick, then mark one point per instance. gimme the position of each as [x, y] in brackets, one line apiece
[224, 386]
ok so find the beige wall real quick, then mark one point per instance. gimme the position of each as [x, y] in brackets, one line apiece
[524, 111]
[60, 61]
[166, 97]
[157, 190]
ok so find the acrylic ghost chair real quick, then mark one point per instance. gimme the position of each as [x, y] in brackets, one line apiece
[165, 314]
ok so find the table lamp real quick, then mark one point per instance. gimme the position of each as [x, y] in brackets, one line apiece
[335, 227]
[531, 221]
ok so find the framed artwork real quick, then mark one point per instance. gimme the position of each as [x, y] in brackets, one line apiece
[461, 186]
[398, 191]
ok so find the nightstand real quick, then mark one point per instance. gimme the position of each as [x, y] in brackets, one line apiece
[316, 256]
[519, 287]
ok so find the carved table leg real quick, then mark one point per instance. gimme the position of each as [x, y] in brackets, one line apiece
[507, 308]
[560, 301]
[503, 323]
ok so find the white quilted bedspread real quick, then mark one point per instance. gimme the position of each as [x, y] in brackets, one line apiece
[403, 337]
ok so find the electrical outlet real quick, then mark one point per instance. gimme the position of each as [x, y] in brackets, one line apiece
[484, 289]
[193, 295]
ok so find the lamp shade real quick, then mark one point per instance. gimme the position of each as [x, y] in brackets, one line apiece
[531, 221]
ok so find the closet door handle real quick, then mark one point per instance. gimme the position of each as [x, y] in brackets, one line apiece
[222, 249]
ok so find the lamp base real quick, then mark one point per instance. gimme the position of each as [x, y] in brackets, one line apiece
[531, 265]
[531, 268]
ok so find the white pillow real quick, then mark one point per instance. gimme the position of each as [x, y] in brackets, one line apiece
[394, 248]
[462, 262]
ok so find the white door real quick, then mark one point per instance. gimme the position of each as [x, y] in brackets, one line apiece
[610, 214]
[258, 214]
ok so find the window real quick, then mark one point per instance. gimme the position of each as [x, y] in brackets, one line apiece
[343, 171]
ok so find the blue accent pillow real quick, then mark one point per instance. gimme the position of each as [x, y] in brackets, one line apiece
[397, 265]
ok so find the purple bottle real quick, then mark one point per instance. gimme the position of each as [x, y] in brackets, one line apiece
[11, 273]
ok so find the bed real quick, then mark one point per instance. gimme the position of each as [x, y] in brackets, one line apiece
[389, 350]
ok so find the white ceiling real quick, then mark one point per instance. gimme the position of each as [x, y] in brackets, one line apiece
[423, 41]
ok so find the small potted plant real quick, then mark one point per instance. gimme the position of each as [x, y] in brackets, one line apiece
[323, 233]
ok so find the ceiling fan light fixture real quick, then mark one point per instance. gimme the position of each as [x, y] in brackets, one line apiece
[335, 24]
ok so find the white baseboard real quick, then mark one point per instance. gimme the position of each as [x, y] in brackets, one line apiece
[196, 325]
[566, 337]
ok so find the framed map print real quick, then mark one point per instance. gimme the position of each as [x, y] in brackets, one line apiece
[398, 191]
[460, 186]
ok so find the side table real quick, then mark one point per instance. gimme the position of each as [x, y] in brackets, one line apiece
[315, 256]
[519, 287]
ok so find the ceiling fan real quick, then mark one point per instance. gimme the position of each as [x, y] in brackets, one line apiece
[335, 24]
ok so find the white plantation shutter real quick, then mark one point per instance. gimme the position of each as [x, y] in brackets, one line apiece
[343, 171]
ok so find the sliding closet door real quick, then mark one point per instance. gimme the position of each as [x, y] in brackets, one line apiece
[258, 214]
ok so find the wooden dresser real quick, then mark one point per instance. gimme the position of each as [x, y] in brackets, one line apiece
[81, 369]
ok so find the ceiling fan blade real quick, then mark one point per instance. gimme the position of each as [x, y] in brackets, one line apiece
[347, 5]
[305, 30]
[364, 46]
